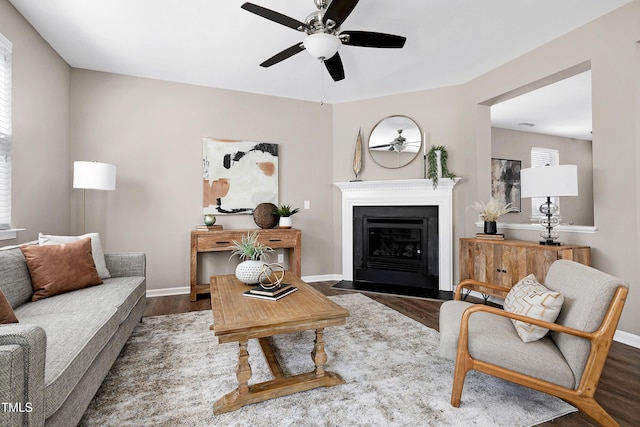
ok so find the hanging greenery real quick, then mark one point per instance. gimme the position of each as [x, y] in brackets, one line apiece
[432, 163]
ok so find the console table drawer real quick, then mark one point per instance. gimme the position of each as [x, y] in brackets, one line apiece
[222, 240]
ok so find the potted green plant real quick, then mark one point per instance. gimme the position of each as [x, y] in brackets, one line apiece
[250, 252]
[490, 212]
[285, 212]
[437, 164]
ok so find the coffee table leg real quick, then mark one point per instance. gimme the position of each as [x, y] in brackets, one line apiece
[318, 354]
[243, 370]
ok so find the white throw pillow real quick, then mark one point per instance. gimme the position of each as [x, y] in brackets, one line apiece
[96, 249]
[530, 298]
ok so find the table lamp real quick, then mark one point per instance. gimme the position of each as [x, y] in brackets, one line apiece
[93, 176]
[549, 181]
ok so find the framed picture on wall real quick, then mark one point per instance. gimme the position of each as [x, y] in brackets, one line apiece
[238, 175]
[505, 181]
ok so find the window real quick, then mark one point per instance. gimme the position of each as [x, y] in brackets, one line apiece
[543, 157]
[5, 133]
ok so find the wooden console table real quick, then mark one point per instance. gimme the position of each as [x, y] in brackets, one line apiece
[505, 262]
[221, 240]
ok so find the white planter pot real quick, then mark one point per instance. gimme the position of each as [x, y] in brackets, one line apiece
[285, 222]
[249, 271]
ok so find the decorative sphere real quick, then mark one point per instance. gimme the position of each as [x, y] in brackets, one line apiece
[209, 219]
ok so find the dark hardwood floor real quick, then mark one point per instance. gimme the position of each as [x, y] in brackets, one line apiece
[618, 392]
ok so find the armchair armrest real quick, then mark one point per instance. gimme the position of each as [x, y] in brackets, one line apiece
[543, 323]
[126, 264]
[24, 346]
[475, 285]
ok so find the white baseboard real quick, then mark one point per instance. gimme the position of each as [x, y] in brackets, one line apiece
[627, 338]
[166, 292]
[620, 336]
[185, 290]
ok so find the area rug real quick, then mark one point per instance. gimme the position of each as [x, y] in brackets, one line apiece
[172, 370]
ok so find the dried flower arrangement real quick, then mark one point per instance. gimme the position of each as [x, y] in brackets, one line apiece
[492, 210]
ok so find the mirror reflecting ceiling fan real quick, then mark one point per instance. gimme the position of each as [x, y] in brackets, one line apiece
[399, 144]
[324, 36]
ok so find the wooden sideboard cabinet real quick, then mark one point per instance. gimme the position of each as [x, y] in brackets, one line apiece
[504, 262]
[221, 240]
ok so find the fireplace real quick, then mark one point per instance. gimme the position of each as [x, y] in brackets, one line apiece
[396, 245]
[402, 193]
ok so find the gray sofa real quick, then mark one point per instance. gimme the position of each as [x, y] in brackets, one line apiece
[53, 361]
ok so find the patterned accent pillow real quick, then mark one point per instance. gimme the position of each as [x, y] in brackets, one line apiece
[6, 312]
[529, 298]
[56, 269]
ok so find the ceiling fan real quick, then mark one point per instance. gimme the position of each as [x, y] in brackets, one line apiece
[324, 36]
[399, 144]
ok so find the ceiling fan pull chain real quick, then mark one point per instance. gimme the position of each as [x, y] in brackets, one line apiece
[321, 82]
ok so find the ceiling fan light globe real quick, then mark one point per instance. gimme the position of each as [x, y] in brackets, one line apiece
[321, 45]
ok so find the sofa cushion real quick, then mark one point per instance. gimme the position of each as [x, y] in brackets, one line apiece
[6, 312]
[530, 298]
[96, 248]
[56, 269]
[15, 281]
[121, 293]
[74, 340]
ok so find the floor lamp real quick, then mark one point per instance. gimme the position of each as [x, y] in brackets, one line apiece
[549, 181]
[93, 176]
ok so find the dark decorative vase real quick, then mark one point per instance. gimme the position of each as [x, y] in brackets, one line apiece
[490, 227]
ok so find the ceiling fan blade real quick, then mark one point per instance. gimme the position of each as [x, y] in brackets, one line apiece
[274, 16]
[281, 56]
[371, 39]
[334, 67]
[338, 11]
[381, 146]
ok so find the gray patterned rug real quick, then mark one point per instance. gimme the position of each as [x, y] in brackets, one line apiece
[172, 370]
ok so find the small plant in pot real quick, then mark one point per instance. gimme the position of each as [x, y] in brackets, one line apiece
[491, 211]
[285, 212]
[251, 253]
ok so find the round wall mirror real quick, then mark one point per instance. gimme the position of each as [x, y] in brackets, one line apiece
[395, 141]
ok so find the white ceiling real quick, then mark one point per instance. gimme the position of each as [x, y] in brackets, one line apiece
[215, 43]
[562, 108]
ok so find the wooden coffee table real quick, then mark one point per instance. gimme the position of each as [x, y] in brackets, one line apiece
[240, 318]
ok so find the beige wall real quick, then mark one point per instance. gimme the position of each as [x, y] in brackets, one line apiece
[40, 155]
[610, 44]
[152, 131]
[516, 145]
[457, 118]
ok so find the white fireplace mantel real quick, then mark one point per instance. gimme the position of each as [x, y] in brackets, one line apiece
[404, 192]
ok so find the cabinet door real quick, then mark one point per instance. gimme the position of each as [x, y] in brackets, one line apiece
[487, 258]
[539, 260]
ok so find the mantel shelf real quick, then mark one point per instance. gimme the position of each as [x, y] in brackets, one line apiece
[394, 184]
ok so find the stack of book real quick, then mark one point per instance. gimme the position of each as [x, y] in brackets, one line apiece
[208, 227]
[490, 236]
[270, 294]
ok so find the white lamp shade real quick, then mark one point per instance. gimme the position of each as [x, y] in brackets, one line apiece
[549, 181]
[321, 45]
[94, 176]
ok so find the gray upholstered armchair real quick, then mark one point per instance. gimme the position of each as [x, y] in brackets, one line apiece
[567, 362]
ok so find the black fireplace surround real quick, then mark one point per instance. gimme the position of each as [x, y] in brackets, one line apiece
[396, 245]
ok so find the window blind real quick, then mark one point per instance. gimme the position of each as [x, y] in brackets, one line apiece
[541, 157]
[5, 133]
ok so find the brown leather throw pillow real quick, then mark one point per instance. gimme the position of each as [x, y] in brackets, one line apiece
[56, 269]
[6, 312]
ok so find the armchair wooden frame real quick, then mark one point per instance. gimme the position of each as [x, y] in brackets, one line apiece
[582, 397]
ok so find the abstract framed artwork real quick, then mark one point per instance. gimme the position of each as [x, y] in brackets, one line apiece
[238, 175]
[505, 181]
